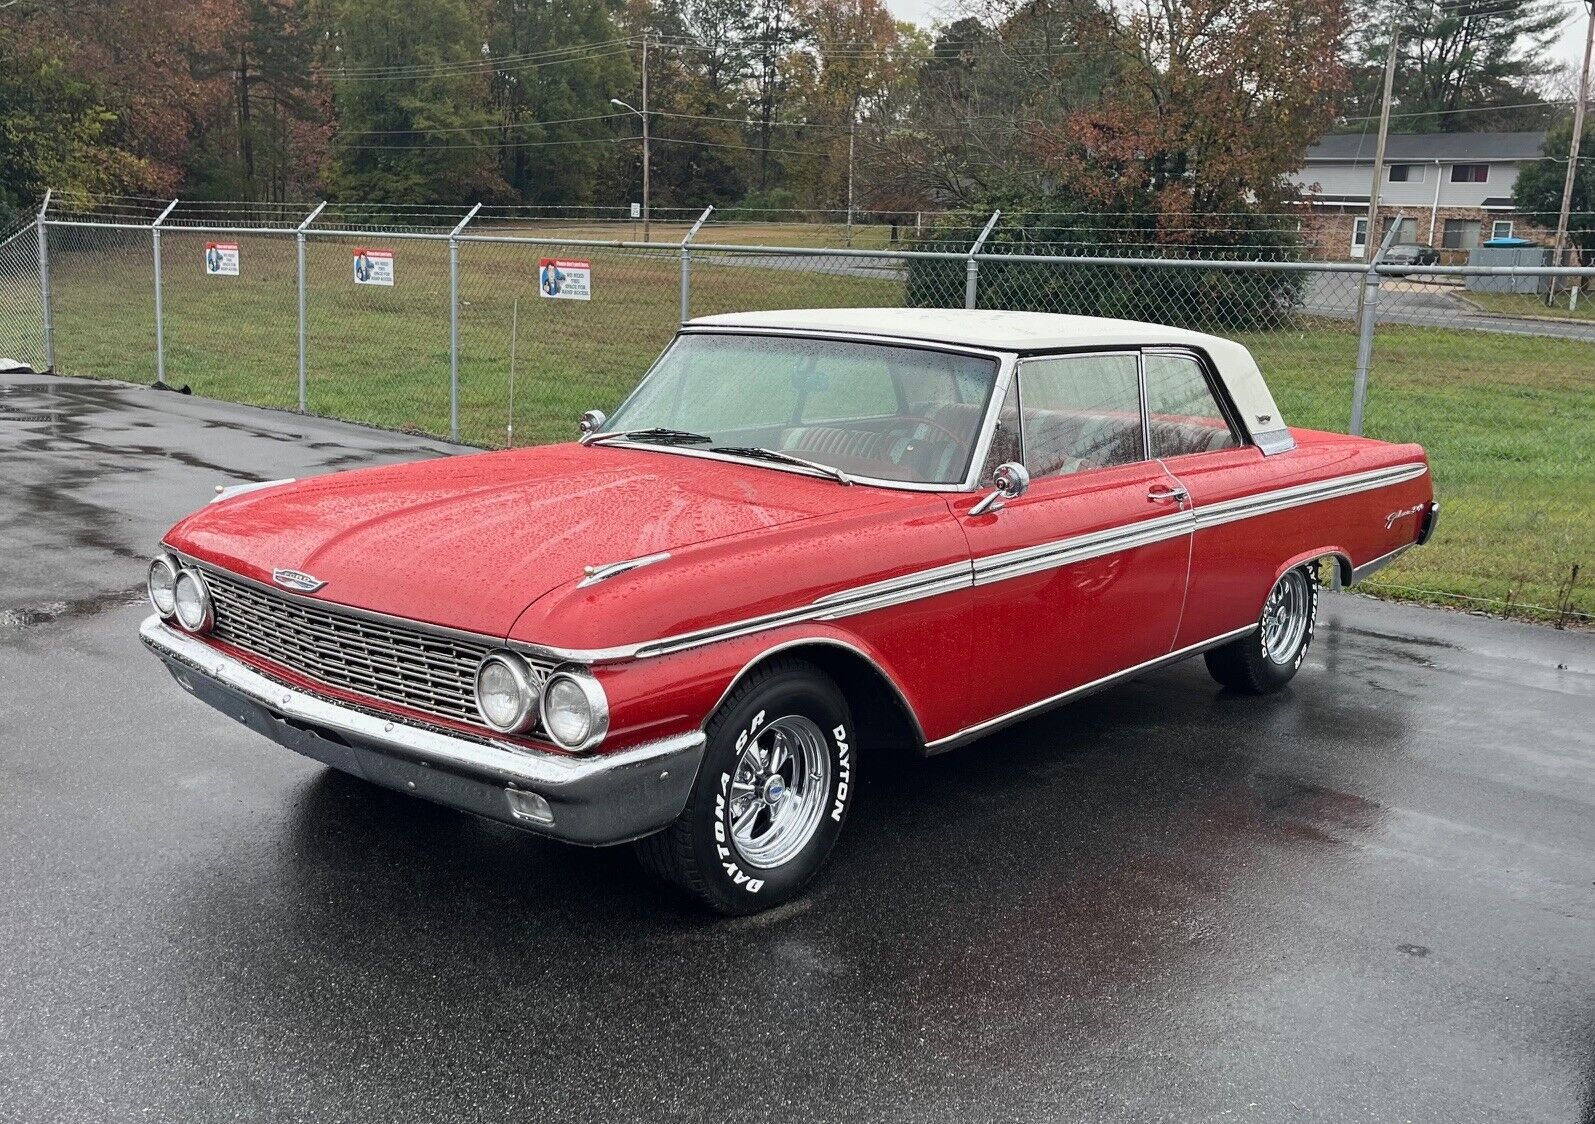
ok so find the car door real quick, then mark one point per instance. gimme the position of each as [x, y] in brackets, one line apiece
[1084, 575]
[1193, 433]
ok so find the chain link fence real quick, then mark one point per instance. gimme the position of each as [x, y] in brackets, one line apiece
[433, 320]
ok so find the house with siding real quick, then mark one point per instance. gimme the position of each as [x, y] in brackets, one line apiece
[1451, 190]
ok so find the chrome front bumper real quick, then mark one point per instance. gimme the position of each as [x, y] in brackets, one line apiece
[593, 800]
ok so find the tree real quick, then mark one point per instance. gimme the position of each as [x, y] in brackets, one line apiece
[1538, 190]
[410, 93]
[52, 130]
[555, 67]
[263, 141]
[1454, 59]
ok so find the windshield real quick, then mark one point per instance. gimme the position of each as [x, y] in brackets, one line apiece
[874, 410]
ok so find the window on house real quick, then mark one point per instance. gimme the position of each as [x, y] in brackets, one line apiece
[1407, 233]
[1359, 235]
[1470, 173]
[1460, 234]
[1501, 228]
[1405, 173]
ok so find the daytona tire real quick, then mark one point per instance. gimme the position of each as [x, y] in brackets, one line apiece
[1263, 661]
[772, 794]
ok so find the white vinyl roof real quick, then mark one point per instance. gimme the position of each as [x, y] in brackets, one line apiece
[999, 331]
[1034, 331]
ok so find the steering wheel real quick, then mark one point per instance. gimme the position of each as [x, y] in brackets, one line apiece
[922, 420]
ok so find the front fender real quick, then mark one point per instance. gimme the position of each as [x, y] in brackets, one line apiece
[678, 693]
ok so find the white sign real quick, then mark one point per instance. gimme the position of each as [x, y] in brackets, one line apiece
[373, 267]
[221, 259]
[636, 210]
[565, 280]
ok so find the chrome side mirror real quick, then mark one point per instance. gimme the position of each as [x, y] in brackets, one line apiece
[1011, 480]
[591, 422]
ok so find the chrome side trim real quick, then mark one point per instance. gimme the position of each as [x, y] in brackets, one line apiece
[1281, 499]
[596, 574]
[932, 582]
[1066, 552]
[991, 725]
[1377, 564]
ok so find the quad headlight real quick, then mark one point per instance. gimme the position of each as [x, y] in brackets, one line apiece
[162, 577]
[506, 694]
[191, 602]
[574, 710]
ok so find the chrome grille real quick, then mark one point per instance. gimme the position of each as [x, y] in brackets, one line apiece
[421, 670]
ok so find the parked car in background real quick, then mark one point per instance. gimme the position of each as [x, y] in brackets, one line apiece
[1412, 253]
[806, 536]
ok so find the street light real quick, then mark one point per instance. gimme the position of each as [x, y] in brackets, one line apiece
[645, 161]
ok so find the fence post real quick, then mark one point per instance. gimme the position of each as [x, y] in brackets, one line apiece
[299, 248]
[686, 265]
[160, 323]
[972, 265]
[44, 285]
[1368, 316]
[454, 323]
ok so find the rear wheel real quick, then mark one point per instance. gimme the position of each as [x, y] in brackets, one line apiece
[771, 796]
[1267, 659]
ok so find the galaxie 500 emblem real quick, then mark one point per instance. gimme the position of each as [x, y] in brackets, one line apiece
[296, 579]
[1396, 516]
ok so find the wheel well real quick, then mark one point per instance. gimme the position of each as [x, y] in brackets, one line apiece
[881, 715]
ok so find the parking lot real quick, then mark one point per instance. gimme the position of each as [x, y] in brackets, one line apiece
[1368, 898]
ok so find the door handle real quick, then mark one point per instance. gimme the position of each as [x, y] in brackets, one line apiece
[1161, 493]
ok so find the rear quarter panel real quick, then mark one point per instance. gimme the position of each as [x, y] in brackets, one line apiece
[1234, 565]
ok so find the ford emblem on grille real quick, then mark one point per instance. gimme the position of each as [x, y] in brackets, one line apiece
[295, 579]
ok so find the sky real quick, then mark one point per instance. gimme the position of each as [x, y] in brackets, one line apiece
[1569, 47]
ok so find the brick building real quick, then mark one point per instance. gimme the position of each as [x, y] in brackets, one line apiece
[1453, 191]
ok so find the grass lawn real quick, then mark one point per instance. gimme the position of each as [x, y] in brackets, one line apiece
[1528, 304]
[1509, 422]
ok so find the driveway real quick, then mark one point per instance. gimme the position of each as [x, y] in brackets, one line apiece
[1365, 899]
[1430, 305]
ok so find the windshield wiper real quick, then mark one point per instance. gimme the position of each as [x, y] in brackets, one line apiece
[758, 453]
[657, 435]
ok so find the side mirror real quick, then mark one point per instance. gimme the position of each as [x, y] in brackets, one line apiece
[591, 422]
[1011, 480]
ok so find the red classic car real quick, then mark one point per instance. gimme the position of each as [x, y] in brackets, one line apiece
[785, 551]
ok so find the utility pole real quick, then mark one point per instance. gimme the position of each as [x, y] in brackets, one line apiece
[1379, 150]
[852, 124]
[1559, 255]
[646, 162]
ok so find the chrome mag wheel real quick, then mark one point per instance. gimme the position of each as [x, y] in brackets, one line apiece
[1285, 617]
[778, 791]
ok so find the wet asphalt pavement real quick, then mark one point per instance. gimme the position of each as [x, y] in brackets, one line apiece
[1368, 898]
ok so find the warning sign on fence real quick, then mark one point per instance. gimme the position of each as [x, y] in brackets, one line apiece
[373, 267]
[565, 280]
[221, 259]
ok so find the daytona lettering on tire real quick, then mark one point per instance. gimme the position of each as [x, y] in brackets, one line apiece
[771, 796]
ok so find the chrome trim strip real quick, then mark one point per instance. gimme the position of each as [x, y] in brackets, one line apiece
[1281, 499]
[932, 582]
[511, 763]
[1081, 548]
[1377, 564]
[990, 725]
[228, 491]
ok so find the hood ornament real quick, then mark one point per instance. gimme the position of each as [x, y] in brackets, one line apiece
[297, 580]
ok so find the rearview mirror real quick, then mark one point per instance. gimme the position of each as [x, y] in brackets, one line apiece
[1010, 481]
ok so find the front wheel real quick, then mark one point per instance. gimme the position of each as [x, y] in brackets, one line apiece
[771, 796]
[1265, 660]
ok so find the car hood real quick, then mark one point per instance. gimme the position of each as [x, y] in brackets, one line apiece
[469, 542]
